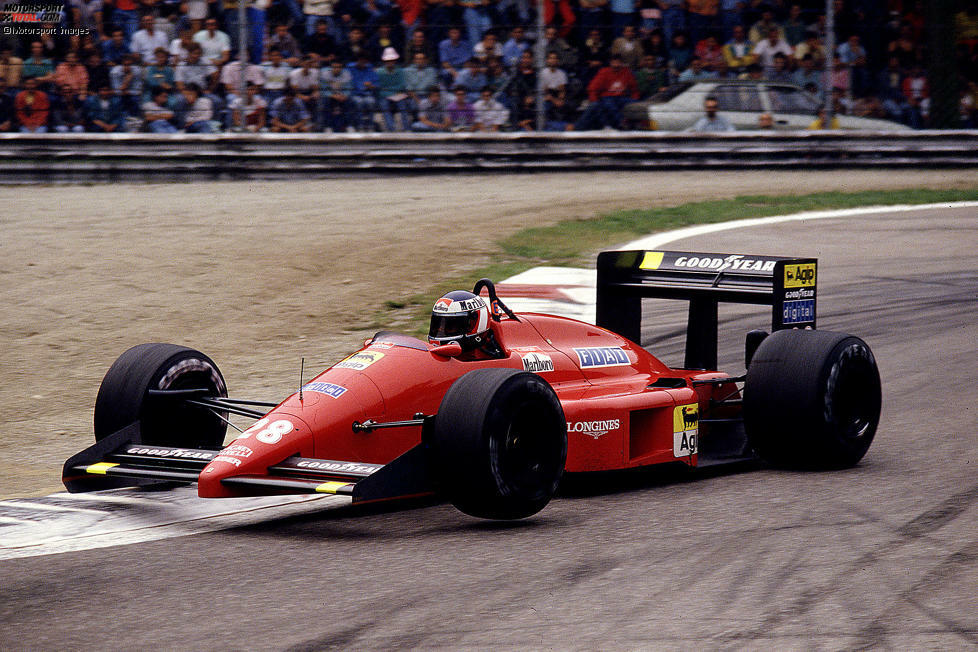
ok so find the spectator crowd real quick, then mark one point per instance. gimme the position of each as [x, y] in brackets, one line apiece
[168, 66]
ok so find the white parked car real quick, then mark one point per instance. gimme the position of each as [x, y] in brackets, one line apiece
[741, 102]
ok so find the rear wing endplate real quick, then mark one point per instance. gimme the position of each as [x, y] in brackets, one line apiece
[788, 285]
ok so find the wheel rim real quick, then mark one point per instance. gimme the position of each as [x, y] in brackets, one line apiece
[852, 393]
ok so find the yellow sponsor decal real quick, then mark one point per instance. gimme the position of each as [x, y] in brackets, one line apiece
[685, 417]
[652, 260]
[685, 430]
[799, 276]
[100, 468]
[360, 360]
[331, 487]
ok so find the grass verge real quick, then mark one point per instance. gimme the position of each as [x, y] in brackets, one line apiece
[575, 242]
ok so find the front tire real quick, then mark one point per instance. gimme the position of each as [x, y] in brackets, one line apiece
[499, 443]
[123, 397]
[812, 399]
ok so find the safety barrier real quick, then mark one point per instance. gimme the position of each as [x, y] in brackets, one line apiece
[74, 158]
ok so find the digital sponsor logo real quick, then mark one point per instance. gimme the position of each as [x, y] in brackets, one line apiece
[237, 450]
[329, 389]
[798, 312]
[338, 467]
[594, 428]
[538, 363]
[735, 262]
[685, 428]
[589, 357]
[442, 305]
[230, 460]
[800, 275]
[359, 361]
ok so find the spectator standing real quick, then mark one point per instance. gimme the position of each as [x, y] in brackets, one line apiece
[703, 18]
[593, 14]
[125, 14]
[673, 17]
[609, 91]
[432, 115]
[103, 112]
[712, 122]
[158, 114]
[71, 74]
[794, 27]
[622, 15]
[889, 86]
[87, 15]
[853, 54]
[475, 13]
[145, 41]
[289, 114]
[32, 108]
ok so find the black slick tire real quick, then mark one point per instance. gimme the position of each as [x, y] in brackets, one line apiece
[499, 444]
[812, 399]
[123, 397]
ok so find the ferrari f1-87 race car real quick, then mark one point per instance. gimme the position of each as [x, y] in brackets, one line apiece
[493, 433]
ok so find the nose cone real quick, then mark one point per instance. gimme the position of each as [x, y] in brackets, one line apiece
[272, 439]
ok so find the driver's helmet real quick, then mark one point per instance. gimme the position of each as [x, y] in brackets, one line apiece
[459, 316]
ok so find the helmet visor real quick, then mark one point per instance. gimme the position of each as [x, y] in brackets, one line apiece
[447, 326]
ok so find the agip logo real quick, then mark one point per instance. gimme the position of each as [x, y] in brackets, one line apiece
[685, 429]
[800, 275]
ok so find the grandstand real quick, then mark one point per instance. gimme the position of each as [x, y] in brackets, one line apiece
[115, 66]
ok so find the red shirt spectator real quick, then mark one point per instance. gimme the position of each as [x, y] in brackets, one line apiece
[71, 74]
[614, 80]
[32, 107]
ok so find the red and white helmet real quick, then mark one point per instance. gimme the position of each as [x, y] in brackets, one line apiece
[461, 317]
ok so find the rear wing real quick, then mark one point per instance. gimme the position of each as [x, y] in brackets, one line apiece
[788, 285]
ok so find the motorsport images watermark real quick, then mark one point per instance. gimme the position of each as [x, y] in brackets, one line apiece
[35, 20]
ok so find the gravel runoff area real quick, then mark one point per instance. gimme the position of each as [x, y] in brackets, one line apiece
[258, 275]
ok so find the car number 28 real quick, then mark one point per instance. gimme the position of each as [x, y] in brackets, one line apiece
[268, 431]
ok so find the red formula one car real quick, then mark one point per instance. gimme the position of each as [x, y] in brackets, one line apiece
[494, 432]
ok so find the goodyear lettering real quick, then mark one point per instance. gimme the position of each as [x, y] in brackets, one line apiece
[601, 356]
[800, 294]
[594, 428]
[734, 262]
[538, 363]
[801, 275]
[171, 452]
[329, 389]
[338, 467]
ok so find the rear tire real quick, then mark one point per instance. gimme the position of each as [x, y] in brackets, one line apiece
[123, 398]
[812, 399]
[499, 443]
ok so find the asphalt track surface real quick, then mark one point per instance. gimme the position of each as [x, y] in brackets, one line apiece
[882, 555]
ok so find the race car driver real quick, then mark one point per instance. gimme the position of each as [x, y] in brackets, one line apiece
[463, 317]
